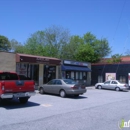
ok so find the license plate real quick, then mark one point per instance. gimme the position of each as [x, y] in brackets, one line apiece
[19, 95]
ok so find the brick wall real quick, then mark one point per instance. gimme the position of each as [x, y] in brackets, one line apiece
[7, 61]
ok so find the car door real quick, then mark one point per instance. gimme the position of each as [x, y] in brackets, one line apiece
[106, 85]
[48, 88]
[113, 85]
[57, 86]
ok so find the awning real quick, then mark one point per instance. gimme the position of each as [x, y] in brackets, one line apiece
[75, 68]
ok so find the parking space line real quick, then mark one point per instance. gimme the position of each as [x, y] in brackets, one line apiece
[46, 105]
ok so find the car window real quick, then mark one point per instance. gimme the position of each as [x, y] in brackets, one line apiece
[69, 81]
[8, 76]
[114, 82]
[107, 82]
[51, 82]
[58, 82]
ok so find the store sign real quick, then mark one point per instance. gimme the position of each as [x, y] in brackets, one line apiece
[41, 59]
[36, 59]
[75, 63]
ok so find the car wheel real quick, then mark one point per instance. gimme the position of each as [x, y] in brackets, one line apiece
[62, 93]
[23, 100]
[117, 89]
[41, 91]
[99, 87]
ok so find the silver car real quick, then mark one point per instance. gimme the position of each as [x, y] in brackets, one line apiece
[63, 87]
[112, 84]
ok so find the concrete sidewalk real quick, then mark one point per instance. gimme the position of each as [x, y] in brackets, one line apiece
[90, 87]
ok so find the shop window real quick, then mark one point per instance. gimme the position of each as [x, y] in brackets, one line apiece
[72, 75]
[63, 74]
[122, 79]
[76, 75]
[28, 71]
[81, 75]
[100, 79]
[84, 75]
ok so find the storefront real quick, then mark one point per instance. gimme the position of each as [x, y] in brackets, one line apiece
[107, 71]
[78, 71]
[39, 68]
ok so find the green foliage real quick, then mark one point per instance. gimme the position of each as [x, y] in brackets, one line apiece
[86, 53]
[70, 49]
[48, 42]
[4, 43]
[56, 42]
[116, 58]
[92, 49]
[109, 61]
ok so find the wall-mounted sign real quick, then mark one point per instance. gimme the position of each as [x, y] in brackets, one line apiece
[41, 59]
[110, 76]
[75, 63]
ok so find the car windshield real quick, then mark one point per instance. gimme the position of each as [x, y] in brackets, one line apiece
[69, 81]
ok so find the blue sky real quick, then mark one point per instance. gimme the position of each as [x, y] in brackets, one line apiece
[108, 19]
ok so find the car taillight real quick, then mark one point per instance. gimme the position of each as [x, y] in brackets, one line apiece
[3, 86]
[74, 87]
[83, 87]
[125, 85]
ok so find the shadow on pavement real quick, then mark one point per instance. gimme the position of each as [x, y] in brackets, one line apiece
[15, 104]
[68, 96]
[105, 89]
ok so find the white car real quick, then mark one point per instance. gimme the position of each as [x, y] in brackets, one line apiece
[113, 84]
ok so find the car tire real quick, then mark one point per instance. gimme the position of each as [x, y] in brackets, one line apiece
[41, 91]
[62, 94]
[117, 89]
[23, 100]
[99, 87]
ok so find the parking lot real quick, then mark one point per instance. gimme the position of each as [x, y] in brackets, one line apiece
[95, 110]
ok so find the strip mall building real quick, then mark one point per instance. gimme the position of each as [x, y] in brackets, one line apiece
[42, 69]
[103, 71]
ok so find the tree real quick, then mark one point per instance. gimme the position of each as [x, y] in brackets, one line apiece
[92, 49]
[116, 58]
[100, 46]
[70, 49]
[4, 43]
[55, 38]
[48, 42]
[86, 53]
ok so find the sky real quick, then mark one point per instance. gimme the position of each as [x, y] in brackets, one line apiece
[108, 19]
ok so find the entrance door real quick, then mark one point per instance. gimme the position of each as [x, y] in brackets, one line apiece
[49, 73]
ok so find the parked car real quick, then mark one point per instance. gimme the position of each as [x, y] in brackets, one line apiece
[12, 87]
[112, 84]
[63, 87]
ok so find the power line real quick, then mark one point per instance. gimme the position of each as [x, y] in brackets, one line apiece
[119, 20]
